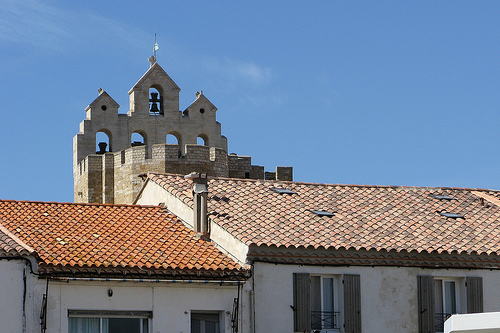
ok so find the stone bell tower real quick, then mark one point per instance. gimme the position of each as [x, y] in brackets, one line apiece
[110, 173]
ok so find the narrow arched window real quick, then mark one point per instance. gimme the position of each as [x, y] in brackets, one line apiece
[202, 140]
[155, 102]
[138, 139]
[172, 139]
[175, 138]
[103, 142]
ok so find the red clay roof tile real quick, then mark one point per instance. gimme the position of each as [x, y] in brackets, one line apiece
[11, 245]
[92, 235]
[368, 217]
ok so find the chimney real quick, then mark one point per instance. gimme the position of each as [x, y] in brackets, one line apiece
[200, 194]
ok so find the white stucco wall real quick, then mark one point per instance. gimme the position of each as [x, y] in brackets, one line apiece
[388, 294]
[154, 194]
[473, 323]
[170, 303]
[11, 295]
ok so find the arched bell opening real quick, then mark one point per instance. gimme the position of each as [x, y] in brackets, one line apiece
[138, 138]
[175, 138]
[202, 140]
[155, 101]
[103, 142]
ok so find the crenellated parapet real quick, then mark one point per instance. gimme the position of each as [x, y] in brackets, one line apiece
[114, 177]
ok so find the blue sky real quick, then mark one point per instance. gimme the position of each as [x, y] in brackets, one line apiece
[350, 92]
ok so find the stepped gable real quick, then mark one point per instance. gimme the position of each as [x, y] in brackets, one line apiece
[113, 240]
[358, 217]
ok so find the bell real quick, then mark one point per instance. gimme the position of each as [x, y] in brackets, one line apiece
[102, 148]
[154, 108]
[154, 97]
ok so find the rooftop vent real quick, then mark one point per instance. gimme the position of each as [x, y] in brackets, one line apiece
[282, 190]
[442, 197]
[452, 215]
[322, 213]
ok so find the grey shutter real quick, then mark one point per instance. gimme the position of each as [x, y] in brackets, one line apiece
[425, 286]
[474, 294]
[302, 302]
[352, 303]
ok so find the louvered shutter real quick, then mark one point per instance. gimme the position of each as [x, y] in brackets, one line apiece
[301, 302]
[474, 294]
[425, 286]
[352, 303]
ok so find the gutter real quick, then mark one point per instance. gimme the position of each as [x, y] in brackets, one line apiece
[166, 281]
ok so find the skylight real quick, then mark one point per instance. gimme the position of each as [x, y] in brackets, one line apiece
[282, 190]
[322, 213]
[452, 215]
[442, 197]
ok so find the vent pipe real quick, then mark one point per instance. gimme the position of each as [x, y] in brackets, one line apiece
[200, 195]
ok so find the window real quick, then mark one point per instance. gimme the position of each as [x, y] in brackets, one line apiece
[445, 301]
[439, 298]
[81, 321]
[205, 322]
[316, 303]
[324, 303]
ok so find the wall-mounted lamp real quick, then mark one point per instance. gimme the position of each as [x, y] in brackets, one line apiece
[110, 292]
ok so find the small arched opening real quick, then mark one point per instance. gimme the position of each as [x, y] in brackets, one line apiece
[174, 138]
[155, 101]
[138, 138]
[103, 141]
[202, 140]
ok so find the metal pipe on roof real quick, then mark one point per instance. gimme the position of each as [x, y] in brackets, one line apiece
[200, 195]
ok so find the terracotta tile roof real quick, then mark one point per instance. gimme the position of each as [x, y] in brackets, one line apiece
[11, 245]
[145, 239]
[365, 217]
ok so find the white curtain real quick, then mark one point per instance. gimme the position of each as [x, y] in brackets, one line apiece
[84, 325]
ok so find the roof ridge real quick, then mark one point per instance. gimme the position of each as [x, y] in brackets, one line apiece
[490, 198]
[77, 203]
[333, 184]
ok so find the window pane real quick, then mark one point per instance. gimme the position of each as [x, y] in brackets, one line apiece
[195, 326]
[205, 322]
[211, 327]
[315, 293]
[438, 296]
[124, 325]
[450, 297]
[328, 294]
[83, 325]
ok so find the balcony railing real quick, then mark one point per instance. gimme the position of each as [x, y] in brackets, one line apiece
[324, 320]
[440, 319]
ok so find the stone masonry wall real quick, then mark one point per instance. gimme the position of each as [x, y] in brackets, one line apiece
[114, 177]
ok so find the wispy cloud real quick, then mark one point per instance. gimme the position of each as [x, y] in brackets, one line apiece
[237, 70]
[32, 23]
[253, 72]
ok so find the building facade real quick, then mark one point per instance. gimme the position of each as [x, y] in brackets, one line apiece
[346, 258]
[102, 268]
